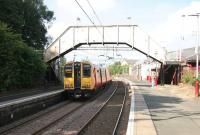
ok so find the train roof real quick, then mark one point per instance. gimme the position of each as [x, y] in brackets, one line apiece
[87, 62]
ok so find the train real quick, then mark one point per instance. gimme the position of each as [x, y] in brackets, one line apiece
[82, 79]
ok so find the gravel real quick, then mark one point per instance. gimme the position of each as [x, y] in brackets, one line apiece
[63, 120]
[73, 123]
[122, 127]
[106, 120]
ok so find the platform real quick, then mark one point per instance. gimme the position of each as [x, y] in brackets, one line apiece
[16, 109]
[28, 98]
[140, 122]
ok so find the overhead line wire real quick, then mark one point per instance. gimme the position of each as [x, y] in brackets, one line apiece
[88, 15]
[85, 12]
[97, 17]
[94, 12]
[158, 44]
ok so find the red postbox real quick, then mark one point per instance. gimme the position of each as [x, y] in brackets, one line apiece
[149, 79]
[197, 88]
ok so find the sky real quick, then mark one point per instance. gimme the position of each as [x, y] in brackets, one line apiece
[161, 19]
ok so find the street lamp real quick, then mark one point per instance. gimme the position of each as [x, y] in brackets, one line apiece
[109, 58]
[118, 55]
[129, 20]
[197, 56]
[102, 55]
[183, 21]
[156, 52]
[197, 45]
[74, 35]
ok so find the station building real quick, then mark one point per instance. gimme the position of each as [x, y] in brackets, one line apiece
[176, 64]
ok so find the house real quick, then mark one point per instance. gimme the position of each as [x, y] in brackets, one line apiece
[130, 64]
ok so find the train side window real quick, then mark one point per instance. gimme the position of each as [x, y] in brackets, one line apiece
[86, 70]
[68, 71]
[102, 73]
[106, 74]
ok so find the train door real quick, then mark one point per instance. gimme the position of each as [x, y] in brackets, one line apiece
[101, 75]
[106, 75]
[95, 77]
[77, 75]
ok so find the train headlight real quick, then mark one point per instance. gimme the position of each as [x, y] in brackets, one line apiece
[86, 85]
[68, 84]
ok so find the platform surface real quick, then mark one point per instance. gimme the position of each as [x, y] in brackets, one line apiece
[140, 122]
[28, 98]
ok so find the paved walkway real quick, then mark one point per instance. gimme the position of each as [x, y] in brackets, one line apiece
[140, 122]
[171, 114]
[164, 110]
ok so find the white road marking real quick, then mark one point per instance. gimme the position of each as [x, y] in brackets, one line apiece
[130, 127]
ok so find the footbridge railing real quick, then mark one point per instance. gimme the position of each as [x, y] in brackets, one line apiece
[76, 36]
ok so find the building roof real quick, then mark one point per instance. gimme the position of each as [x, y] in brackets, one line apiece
[129, 61]
[187, 54]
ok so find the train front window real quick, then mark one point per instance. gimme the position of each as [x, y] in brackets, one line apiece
[68, 71]
[86, 70]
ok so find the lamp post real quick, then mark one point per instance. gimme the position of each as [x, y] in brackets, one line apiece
[182, 37]
[183, 21]
[74, 36]
[197, 55]
[197, 44]
[129, 20]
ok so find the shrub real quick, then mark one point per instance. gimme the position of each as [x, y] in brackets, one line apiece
[20, 64]
[187, 77]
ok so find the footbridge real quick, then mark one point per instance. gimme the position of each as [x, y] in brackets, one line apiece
[109, 37]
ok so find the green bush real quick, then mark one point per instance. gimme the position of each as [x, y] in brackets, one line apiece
[117, 68]
[188, 78]
[20, 64]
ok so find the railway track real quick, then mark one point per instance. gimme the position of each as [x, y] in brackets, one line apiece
[87, 119]
[44, 120]
[107, 118]
[8, 129]
[74, 123]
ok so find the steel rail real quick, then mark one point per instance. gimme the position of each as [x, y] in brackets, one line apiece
[23, 122]
[42, 130]
[120, 113]
[57, 120]
[20, 123]
[96, 114]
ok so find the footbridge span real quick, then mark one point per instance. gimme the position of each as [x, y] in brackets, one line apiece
[89, 37]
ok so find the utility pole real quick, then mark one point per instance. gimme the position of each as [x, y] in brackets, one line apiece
[197, 56]
[148, 59]
[197, 44]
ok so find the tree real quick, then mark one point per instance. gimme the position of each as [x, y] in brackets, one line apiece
[20, 64]
[115, 68]
[28, 18]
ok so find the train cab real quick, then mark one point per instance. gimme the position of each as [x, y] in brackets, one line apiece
[68, 76]
[83, 78]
